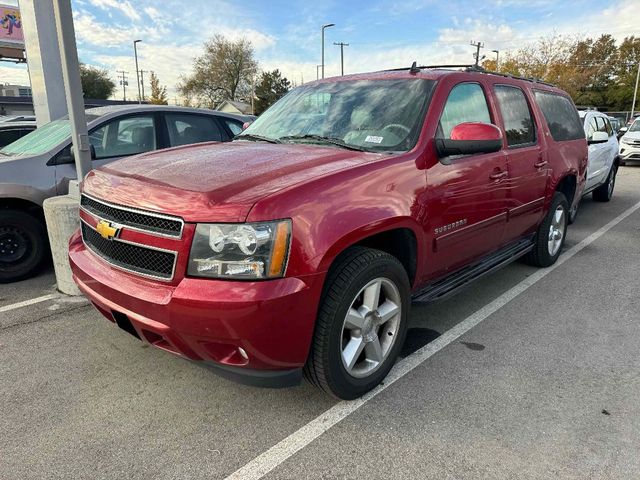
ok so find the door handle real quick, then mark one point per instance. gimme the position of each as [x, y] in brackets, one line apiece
[498, 175]
[540, 164]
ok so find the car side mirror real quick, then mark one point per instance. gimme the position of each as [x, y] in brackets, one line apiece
[92, 150]
[469, 139]
[623, 130]
[598, 137]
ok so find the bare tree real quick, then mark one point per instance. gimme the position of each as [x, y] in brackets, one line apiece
[222, 72]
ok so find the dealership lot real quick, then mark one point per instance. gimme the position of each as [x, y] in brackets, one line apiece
[544, 386]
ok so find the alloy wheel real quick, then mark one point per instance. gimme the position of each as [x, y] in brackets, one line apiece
[370, 327]
[556, 230]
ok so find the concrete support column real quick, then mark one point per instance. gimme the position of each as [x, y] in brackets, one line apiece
[43, 60]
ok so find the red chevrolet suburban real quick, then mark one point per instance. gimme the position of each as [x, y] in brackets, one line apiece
[300, 246]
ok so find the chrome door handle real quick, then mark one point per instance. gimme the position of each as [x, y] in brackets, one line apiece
[498, 175]
[540, 164]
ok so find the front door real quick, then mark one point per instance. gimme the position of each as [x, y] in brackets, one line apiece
[467, 194]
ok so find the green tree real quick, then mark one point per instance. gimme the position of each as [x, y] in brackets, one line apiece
[271, 87]
[96, 83]
[158, 92]
[222, 72]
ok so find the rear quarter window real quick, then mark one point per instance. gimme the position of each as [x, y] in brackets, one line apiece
[561, 116]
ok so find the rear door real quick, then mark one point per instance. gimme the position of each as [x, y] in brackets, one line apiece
[597, 151]
[467, 194]
[527, 163]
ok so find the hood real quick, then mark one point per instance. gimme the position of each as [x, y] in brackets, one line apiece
[215, 181]
[631, 136]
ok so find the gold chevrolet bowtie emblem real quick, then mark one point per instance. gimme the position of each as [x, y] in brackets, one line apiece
[106, 230]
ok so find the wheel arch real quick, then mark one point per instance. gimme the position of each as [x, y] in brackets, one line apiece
[568, 186]
[21, 204]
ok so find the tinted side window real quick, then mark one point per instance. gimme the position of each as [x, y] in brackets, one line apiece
[561, 116]
[185, 129]
[466, 103]
[518, 123]
[124, 136]
[9, 136]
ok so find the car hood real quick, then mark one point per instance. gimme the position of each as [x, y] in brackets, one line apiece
[631, 136]
[215, 181]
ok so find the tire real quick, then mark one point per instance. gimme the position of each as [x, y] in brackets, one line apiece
[23, 245]
[573, 214]
[543, 254]
[337, 341]
[604, 192]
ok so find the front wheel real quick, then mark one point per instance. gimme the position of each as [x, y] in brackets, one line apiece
[23, 245]
[361, 325]
[551, 234]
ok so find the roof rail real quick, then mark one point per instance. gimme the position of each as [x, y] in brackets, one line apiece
[468, 68]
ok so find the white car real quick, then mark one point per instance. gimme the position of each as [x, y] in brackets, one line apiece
[630, 144]
[603, 157]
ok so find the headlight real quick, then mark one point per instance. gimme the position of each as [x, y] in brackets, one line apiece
[240, 251]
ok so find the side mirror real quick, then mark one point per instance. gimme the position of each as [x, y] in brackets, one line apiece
[470, 138]
[623, 130]
[598, 137]
[245, 125]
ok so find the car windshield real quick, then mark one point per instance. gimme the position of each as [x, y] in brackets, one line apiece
[42, 139]
[369, 115]
[635, 126]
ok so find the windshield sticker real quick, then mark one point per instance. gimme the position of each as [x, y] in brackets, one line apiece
[373, 139]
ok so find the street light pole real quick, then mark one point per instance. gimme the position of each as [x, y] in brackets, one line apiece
[497, 52]
[323, 27]
[135, 53]
[318, 72]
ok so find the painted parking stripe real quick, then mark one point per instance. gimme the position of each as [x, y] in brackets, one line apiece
[26, 303]
[270, 459]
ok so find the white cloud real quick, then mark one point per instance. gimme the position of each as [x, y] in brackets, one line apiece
[18, 75]
[123, 6]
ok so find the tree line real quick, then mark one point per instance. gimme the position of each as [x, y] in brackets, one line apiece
[596, 72]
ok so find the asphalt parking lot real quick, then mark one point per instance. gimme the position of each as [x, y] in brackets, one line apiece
[543, 384]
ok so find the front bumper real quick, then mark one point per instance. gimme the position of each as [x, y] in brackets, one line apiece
[254, 332]
[629, 153]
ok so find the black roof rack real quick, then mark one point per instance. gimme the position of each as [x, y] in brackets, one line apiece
[468, 68]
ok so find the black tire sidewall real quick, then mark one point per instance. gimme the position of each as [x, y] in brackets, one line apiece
[344, 385]
[545, 259]
[34, 230]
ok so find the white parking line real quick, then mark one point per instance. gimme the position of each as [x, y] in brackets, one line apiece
[26, 303]
[267, 461]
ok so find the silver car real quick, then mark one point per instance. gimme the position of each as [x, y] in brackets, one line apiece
[40, 165]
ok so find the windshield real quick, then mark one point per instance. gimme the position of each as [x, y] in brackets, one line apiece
[635, 126]
[42, 139]
[371, 115]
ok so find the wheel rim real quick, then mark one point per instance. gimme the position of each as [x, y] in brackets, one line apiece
[14, 245]
[556, 230]
[370, 327]
[612, 183]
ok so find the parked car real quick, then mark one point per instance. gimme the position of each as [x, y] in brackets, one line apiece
[11, 131]
[299, 246]
[630, 144]
[39, 165]
[603, 157]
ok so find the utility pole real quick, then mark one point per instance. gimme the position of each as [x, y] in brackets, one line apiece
[142, 81]
[478, 46]
[124, 83]
[135, 53]
[323, 28]
[341, 45]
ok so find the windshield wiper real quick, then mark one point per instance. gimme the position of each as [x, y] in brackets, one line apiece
[257, 138]
[331, 140]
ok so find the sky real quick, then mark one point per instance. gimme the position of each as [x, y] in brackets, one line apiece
[286, 34]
